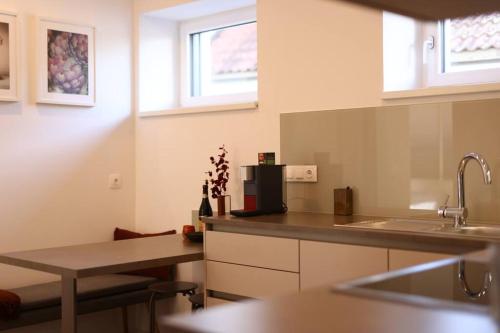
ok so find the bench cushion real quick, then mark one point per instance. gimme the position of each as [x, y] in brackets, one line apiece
[165, 273]
[10, 305]
[49, 294]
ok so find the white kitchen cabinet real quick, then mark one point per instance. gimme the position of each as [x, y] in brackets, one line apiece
[250, 250]
[399, 259]
[249, 281]
[328, 263]
[243, 265]
[251, 266]
[213, 302]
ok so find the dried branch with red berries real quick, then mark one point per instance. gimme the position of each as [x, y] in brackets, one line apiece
[220, 177]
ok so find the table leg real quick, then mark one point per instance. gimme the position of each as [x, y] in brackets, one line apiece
[68, 305]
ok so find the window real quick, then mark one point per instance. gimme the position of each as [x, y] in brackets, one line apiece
[471, 43]
[219, 59]
[452, 52]
[197, 56]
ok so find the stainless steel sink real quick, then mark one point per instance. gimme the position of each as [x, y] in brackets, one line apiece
[400, 225]
[482, 231]
[428, 227]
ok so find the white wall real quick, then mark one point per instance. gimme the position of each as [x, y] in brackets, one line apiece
[55, 160]
[158, 77]
[305, 63]
[313, 55]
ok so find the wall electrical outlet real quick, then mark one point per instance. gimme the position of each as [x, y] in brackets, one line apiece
[115, 181]
[302, 173]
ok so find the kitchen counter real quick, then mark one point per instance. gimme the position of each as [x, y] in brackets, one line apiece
[343, 310]
[331, 228]
[322, 311]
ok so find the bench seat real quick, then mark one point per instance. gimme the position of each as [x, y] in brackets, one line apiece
[42, 302]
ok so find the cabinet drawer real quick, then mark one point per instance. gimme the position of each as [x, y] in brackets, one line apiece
[327, 263]
[212, 301]
[250, 250]
[250, 281]
[399, 259]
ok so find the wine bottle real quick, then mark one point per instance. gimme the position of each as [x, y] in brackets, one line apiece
[205, 208]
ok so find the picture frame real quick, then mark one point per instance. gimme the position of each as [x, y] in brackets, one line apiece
[9, 55]
[66, 63]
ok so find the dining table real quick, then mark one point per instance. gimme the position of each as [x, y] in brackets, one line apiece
[85, 260]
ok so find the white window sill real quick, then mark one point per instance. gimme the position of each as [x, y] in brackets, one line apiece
[441, 91]
[200, 109]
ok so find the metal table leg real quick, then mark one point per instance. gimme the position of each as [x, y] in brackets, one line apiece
[68, 305]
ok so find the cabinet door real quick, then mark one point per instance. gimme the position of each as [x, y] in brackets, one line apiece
[328, 264]
[250, 250]
[249, 281]
[213, 302]
[399, 259]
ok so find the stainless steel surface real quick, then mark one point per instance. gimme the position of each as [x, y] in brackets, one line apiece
[471, 230]
[335, 229]
[435, 227]
[488, 278]
[459, 214]
[401, 225]
[246, 173]
[463, 282]
[453, 212]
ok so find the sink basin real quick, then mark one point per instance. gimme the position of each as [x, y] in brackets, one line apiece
[400, 225]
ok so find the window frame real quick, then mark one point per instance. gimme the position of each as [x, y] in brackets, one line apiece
[426, 65]
[216, 21]
[435, 75]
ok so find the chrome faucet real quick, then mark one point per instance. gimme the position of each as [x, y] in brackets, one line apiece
[459, 214]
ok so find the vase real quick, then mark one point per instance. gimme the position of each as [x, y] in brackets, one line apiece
[221, 205]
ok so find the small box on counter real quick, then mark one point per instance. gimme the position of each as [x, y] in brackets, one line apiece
[342, 198]
[267, 159]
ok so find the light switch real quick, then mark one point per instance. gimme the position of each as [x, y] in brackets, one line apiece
[115, 181]
[302, 173]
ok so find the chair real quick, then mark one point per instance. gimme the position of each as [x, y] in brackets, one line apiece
[169, 288]
[197, 301]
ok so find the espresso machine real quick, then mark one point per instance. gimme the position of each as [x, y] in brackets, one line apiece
[264, 190]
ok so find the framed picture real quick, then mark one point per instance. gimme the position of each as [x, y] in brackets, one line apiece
[9, 89]
[66, 63]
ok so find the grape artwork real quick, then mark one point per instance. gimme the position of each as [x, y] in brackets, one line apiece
[68, 62]
[4, 56]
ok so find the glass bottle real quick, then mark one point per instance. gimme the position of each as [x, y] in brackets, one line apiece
[205, 208]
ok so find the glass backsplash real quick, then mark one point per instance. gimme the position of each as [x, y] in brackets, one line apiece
[400, 160]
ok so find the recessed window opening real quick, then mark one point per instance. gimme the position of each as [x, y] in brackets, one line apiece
[198, 56]
[223, 61]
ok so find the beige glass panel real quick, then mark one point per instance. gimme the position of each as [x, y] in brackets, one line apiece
[400, 160]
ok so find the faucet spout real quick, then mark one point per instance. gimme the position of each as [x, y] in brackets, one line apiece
[481, 161]
[460, 220]
[459, 214]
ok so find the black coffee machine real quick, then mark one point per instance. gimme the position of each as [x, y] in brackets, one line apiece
[264, 190]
